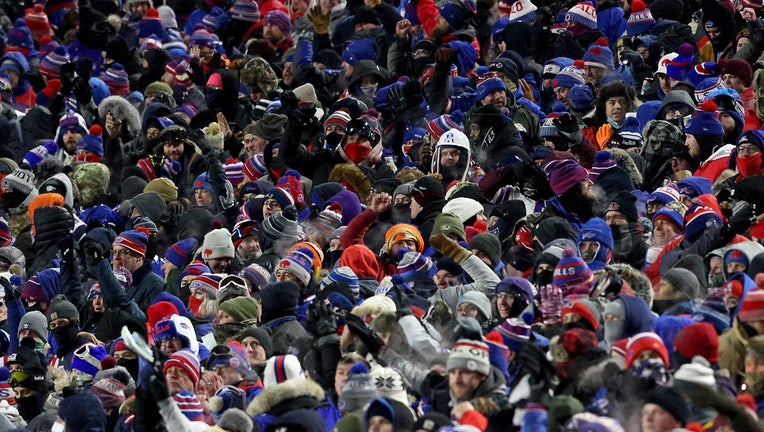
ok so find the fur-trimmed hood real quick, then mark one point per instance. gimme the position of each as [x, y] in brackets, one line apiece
[721, 182]
[290, 389]
[638, 281]
[354, 177]
[625, 161]
[121, 109]
[593, 378]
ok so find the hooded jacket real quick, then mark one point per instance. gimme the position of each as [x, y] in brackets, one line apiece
[294, 394]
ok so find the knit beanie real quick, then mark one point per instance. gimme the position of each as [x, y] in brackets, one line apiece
[87, 359]
[572, 275]
[201, 37]
[60, 307]
[626, 203]
[164, 187]
[202, 181]
[586, 309]
[599, 55]
[20, 36]
[37, 22]
[752, 308]
[643, 342]
[40, 153]
[344, 275]
[696, 221]
[234, 172]
[279, 19]
[254, 167]
[245, 10]
[440, 125]
[523, 11]
[449, 223]
[670, 401]
[568, 77]
[698, 371]
[299, 263]
[50, 65]
[640, 20]
[279, 225]
[240, 308]
[705, 121]
[699, 339]
[189, 405]
[338, 118]
[270, 127]
[516, 332]
[185, 360]
[178, 253]
[740, 68]
[412, 264]
[487, 86]
[583, 13]
[683, 281]
[663, 195]
[110, 391]
[456, 12]
[603, 161]
[217, 244]
[133, 240]
[694, 186]
[427, 189]
[93, 141]
[358, 390]
[20, 180]
[581, 97]
[489, 244]
[464, 208]
[470, 355]
[679, 68]
[280, 369]
[261, 335]
[208, 283]
[401, 232]
[564, 174]
[278, 300]
[116, 79]
[290, 181]
[36, 322]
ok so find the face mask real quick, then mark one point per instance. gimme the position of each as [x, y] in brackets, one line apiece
[613, 330]
[402, 213]
[544, 277]
[31, 406]
[194, 303]
[421, 63]
[661, 306]
[357, 152]
[750, 165]
[13, 199]
[333, 140]
[65, 335]
[652, 369]
[92, 157]
[613, 124]
[369, 90]
[727, 213]
[224, 332]
[716, 279]
[39, 345]
[214, 99]
[131, 365]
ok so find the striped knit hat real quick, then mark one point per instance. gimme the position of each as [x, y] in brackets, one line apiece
[603, 161]
[339, 118]
[185, 360]
[201, 37]
[515, 332]
[299, 262]
[50, 65]
[471, 355]
[189, 405]
[329, 219]
[242, 230]
[116, 78]
[151, 25]
[178, 252]
[564, 174]
[209, 283]
[281, 368]
[523, 11]
[640, 19]
[413, 263]
[254, 167]
[133, 240]
[440, 125]
[37, 21]
[583, 13]
[697, 219]
[234, 171]
[344, 275]
[679, 68]
[245, 10]
[572, 275]
[569, 76]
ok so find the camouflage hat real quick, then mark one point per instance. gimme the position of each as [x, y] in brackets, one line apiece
[660, 136]
[91, 179]
[259, 76]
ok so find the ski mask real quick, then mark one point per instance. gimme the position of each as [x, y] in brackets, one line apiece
[224, 332]
[131, 365]
[29, 407]
[13, 199]
[333, 140]
[402, 213]
[214, 99]
[369, 90]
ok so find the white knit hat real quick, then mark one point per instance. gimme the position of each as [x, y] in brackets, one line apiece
[217, 244]
[698, 372]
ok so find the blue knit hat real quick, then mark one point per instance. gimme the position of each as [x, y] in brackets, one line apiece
[568, 77]
[599, 55]
[671, 215]
[201, 37]
[580, 97]
[488, 86]
[554, 66]
[457, 13]
[413, 263]
[631, 129]
[203, 182]
[640, 21]
[497, 29]
[93, 141]
[178, 252]
[133, 240]
[703, 71]
[736, 256]
[680, 67]
[572, 272]
[416, 134]
[694, 186]
[696, 220]
[516, 332]
[705, 121]
[20, 36]
[362, 49]
[87, 359]
[583, 13]
[663, 195]
[72, 122]
[596, 229]
[189, 405]
[603, 161]
[548, 129]
[344, 275]
[245, 10]
[40, 153]
[50, 65]
[151, 25]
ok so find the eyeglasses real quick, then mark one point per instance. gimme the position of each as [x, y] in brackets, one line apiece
[171, 340]
[747, 149]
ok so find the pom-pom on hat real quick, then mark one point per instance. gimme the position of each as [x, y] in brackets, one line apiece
[583, 13]
[640, 20]
[705, 121]
[37, 22]
[599, 55]
[93, 141]
[680, 67]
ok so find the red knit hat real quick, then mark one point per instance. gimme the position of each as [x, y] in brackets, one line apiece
[752, 308]
[698, 339]
[578, 307]
[643, 342]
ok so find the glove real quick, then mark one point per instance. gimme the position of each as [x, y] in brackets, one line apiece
[742, 215]
[444, 58]
[567, 125]
[321, 320]
[396, 97]
[402, 303]
[551, 304]
[305, 113]
[449, 248]
[158, 382]
[66, 248]
[288, 100]
[370, 338]
[319, 20]
[68, 78]
[228, 199]
[13, 287]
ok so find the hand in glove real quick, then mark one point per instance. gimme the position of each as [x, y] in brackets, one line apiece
[321, 320]
[228, 199]
[288, 100]
[369, 337]
[305, 113]
[158, 382]
[96, 245]
[551, 304]
[320, 20]
[449, 247]
[402, 303]
[444, 58]
[567, 125]
[68, 78]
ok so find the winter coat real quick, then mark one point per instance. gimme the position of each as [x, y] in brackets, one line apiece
[284, 332]
[484, 280]
[294, 394]
[733, 345]
[425, 220]
[719, 161]
[146, 286]
[175, 420]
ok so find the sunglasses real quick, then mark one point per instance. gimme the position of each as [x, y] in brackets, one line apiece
[20, 377]
[362, 129]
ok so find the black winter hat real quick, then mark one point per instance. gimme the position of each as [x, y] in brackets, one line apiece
[279, 300]
[488, 243]
[60, 307]
[626, 203]
[426, 189]
[671, 401]
[366, 15]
